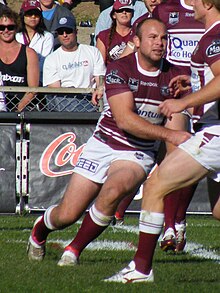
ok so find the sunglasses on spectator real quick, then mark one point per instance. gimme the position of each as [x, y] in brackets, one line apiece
[34, 12]
[10, 27]
[128, 10]
[67, 30]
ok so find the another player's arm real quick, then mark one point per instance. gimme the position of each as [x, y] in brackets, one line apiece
[209, 93]
[33, 75]
[127, 120]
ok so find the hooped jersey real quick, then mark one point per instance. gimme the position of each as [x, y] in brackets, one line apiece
[206, 53]
[149, 89]
[184, 32]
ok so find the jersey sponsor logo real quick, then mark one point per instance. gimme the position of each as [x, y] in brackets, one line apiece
[133, 84]
[173, 18]
[165, 91]
[189, 14]
[117, 50]
[11, 78]
[149, 84]
[87, 165]
[112, 77]
[213, 49]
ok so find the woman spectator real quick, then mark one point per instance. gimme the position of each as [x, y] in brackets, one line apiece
[33, 32]
[112, 42]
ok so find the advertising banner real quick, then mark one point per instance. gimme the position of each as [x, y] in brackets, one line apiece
[53, 152]
[8, 168]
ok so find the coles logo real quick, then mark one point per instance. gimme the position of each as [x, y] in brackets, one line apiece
[61, 151]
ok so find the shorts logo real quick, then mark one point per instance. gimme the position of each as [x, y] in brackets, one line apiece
[112, 77]
[173, 18]
[213, 49]
[87, 165]
[139, 156]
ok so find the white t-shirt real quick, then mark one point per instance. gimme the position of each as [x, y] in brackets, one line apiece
[42, 45]
[73, 69]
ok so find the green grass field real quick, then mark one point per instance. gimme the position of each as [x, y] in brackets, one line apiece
[196, 270]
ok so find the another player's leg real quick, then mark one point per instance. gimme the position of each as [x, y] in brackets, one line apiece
[123, 178]
[79, 194]
[151, 218]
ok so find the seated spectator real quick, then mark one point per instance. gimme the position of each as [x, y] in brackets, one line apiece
[52, 12]
[112, 42]
[72, 65]
[33, 31]
[19, 64]
[104, 20]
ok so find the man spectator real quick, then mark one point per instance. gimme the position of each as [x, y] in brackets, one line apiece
[121, 152]
[72, 65]
[52, 12]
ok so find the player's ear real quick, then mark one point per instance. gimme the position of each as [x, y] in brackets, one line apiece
[136, 41]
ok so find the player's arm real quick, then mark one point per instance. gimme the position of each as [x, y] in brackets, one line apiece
[33, 74]
[209, 93]
[127, 120]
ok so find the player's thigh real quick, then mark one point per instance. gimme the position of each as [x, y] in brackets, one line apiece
[124, 177]
[79, 194]
[214, 197]
[177, 170]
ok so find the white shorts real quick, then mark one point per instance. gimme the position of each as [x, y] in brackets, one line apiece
[204, 147]
[96, 158]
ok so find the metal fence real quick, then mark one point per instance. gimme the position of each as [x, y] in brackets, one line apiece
[49, 99]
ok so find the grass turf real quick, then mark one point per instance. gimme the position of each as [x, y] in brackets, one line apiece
[191, 271]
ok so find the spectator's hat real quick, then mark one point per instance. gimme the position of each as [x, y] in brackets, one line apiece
[28, 5]
[67, 22]
[122, 4]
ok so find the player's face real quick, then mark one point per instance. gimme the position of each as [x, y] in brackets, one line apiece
[67, 38]
[152, 44]
[151, 4]
[7, 29]
[199, 9]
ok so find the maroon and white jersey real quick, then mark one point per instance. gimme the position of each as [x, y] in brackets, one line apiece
[205, 54]
[184, 31]
[149, 89]
[116, 46]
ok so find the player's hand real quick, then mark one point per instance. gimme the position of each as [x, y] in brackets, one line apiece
[178, 136]
[179, 84]
[170, 106]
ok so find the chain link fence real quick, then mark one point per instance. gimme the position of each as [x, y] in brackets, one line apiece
[49, 99]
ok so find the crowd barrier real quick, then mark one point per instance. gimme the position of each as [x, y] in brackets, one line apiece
[39, 150]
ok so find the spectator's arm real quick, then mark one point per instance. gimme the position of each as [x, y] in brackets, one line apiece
[33, 75]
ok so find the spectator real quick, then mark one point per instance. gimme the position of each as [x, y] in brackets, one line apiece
[72, 65]
[19, 64]
[195, 158]
[121, 152]
[112, 42]
[33, 32]
[104, 20]
[52, 12]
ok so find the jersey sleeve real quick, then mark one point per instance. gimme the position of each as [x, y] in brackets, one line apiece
[116, 79]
